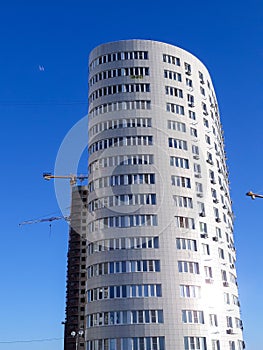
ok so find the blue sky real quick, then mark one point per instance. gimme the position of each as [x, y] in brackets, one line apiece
[37, 109]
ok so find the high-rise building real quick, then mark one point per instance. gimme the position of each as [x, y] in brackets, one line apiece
[76, 271]
[161, 258]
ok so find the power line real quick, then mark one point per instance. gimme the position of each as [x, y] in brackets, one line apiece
[30, 341]
[41, 103]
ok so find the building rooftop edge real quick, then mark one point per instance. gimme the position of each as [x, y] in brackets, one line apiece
[100, 46]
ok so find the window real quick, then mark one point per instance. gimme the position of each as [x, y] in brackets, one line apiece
[189, 291]
[171, 59]
[122, 221]
[187, 67]
[141, 343]
[193, 132]
[174, 108]
[190, 100]
[199, 188]
[118, 106]
[120, 124]
[221, 253]
[179, 162]
[208, 139]
[124, 317]
[224, 275]
[117, 56]
[215, 344]
[210, 158]
[208, 272]
[132, 159]
[197, 170]
[112, 344]
[135, 343]
[172, 91]
[192, 115]
[212, 176]
[201, 208]
[205, 249]
[176, 143]
[203, 227]
[202, 90]
[213, 320]
[168, 74]
[240, 345]
[229, 322]
[206, 124]
[204, 107]
[218, 232]
[232, 278]
[232, 345]
[193, 316]
[120, 142]
[123, 199]
[201, 77]
[216, 213]
[178, 126]
[195, 343]
[181, 181]
[189, 83]
[227, 298]
[116, 89]
[188, 267]
[185, 222]
[123, 243]
[195, 150]
[133, 72]
[183, 202]
[214, 195]
[238, 323]
[120, 180]
[186, 244]
[235, 300]
[126, 266]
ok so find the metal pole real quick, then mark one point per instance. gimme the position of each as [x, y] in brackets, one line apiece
[76, 335]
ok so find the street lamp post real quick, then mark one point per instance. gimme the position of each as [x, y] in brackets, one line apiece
[253, 195]
[76, 335]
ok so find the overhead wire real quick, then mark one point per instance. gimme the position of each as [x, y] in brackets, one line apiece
[41, 103]
[29, 340]
[57, 212]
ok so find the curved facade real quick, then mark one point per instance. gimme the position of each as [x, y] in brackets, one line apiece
[160, 254]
